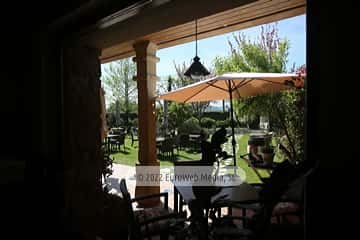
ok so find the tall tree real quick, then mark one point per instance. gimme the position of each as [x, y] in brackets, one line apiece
[166, 104]
[198, 108]
[268, 53]
[290, 113]
[265, 54]
[118, 79]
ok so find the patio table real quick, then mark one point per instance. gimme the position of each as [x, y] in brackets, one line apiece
[228, 195]
[107, 140]
[194, 140]
[194, 136]
[183, 193]
[244, 196]
[159, 140]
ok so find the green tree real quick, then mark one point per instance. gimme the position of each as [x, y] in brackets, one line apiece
[174, 114]
[178, 114]
[118, 79]
[166, 105]
[198, 108]
[268, 53]
[290, 113]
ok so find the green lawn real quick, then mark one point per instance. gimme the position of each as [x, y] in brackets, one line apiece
[130, 156]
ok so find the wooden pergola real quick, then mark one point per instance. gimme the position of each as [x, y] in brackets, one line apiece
[143, 28]
[166, 29]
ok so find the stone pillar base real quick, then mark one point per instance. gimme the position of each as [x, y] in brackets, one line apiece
[148, 175]
[148, 190]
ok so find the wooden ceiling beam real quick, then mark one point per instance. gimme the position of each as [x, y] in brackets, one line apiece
[234, 18]
[249, 15]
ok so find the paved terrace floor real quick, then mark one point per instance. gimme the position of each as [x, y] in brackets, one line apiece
[128, 172]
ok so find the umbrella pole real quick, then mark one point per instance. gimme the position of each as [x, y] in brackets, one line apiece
[232, 124]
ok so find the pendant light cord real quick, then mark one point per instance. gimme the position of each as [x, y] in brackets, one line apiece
[196, 36]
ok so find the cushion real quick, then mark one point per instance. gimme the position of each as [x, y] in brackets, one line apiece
[148, 213]
[283, 208]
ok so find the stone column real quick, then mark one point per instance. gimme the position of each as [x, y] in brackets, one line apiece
[81, 141]
[146, 82]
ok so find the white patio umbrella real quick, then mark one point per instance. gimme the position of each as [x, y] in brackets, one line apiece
[233, 85]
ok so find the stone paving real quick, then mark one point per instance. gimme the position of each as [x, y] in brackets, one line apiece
[128, 172]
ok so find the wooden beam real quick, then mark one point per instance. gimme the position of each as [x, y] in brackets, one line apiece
[249, 15]
[154, 19]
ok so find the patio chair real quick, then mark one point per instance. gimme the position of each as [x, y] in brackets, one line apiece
[134, 136]
[149, 222]
[167, 148]
[107, 165]
[275, 192]
[184, 141]
[118, 141]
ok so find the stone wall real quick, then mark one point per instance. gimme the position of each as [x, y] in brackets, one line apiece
[82, 140]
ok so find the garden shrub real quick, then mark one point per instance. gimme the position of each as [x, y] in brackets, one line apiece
[190, 126]
[223, 123]
[207, 122]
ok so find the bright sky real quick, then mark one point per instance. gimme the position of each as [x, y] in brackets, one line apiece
[293, 29]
